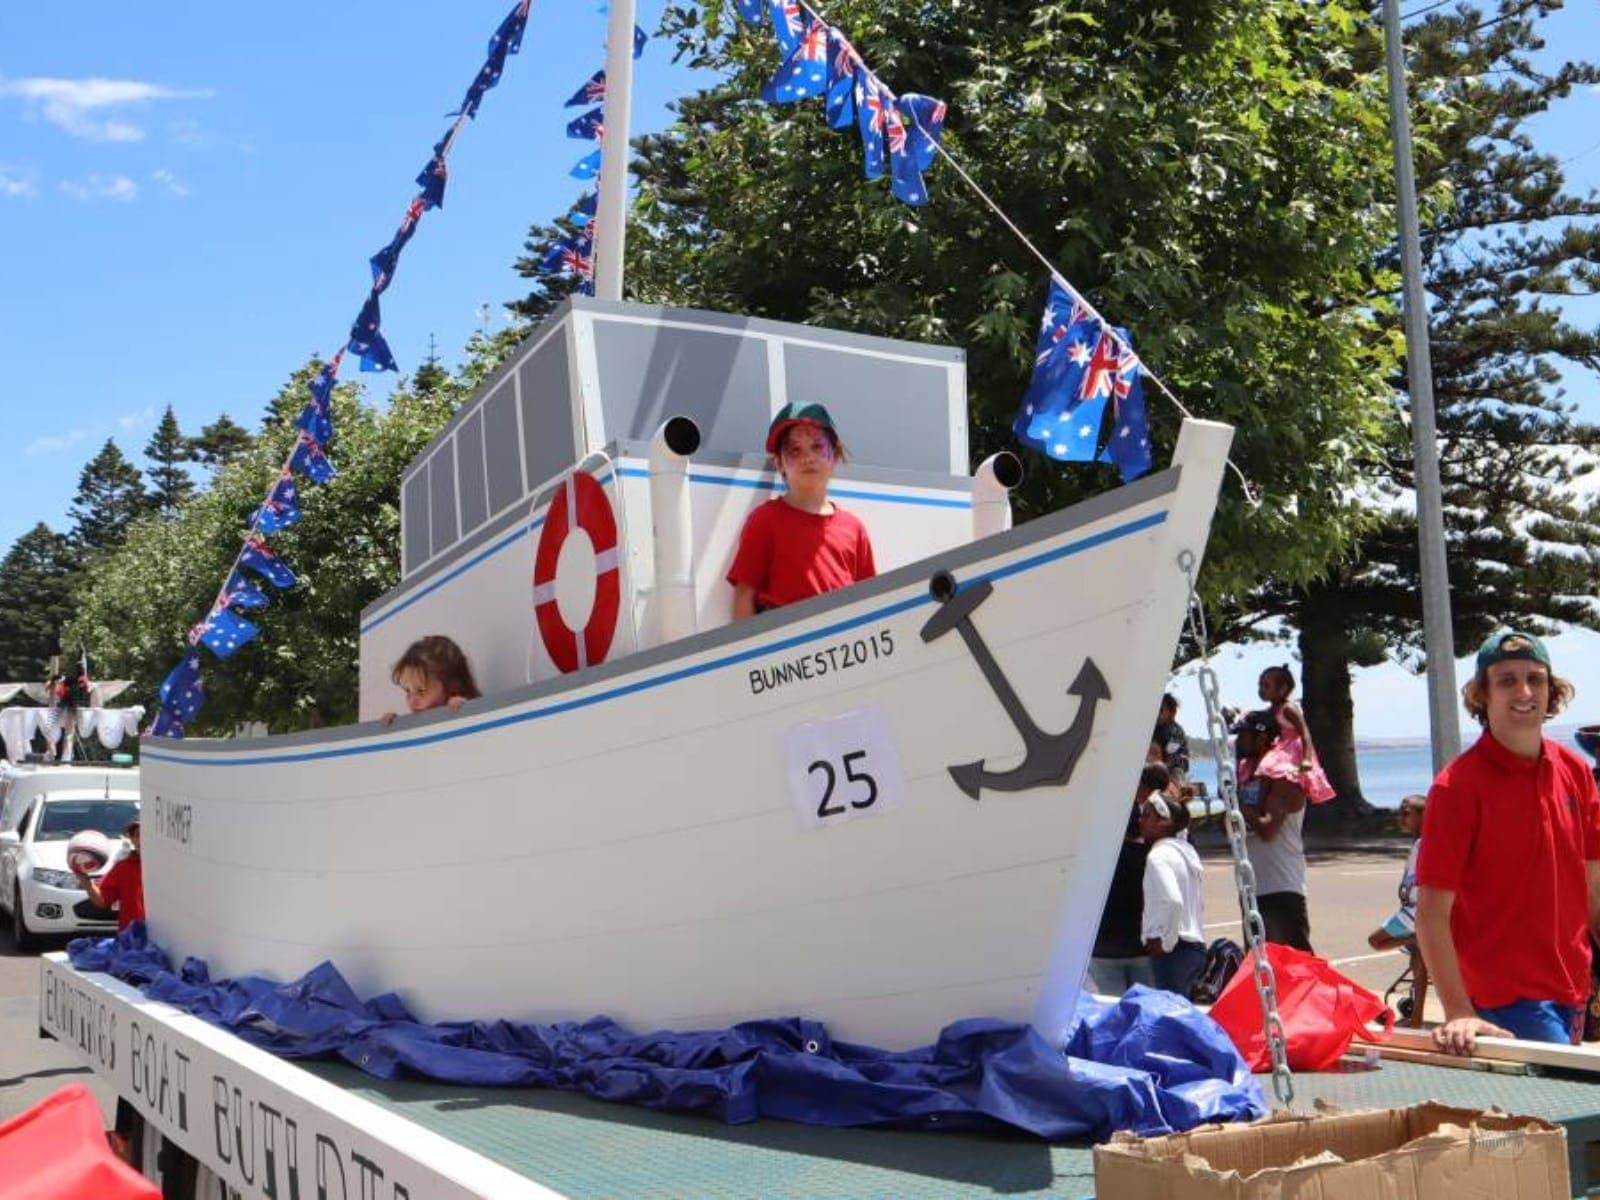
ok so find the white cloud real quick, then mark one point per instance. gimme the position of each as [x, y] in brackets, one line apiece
[54, 443]
[100, 187]
[18, 182]
[84, 108]
[166, 179]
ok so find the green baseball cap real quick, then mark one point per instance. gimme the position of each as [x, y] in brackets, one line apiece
[793, 414]
[1511, 644]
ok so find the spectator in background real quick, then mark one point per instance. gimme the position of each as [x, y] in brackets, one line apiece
[1119, 959]
[122, 887]
[1273, 810]
[1401, 924]
[1170, 737]
[1508, 878]
[1173, 925]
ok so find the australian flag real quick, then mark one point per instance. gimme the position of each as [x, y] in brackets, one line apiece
[905, 181]
[788, 23]
[507, 39]
[872, 105]
[592, 92]
[367, 340]
[575, 254]
[805, 72]
[587, 167]
[385, 260]
[639, 39]
[584, 212]
[1080, 374]
[281, 509]
[310, 461]
[167, 724]
[433, 176]
[223, 632]
[592, 125]
[924, 120]
[316, 418]
[241, 592]
[182, 693]
[258, 557]
[840, 98]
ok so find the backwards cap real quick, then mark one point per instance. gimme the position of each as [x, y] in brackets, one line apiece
[1510, 644]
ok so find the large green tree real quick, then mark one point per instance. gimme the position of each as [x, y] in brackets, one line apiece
[167, 451]
[1212, 174]
[1504, 241]
[110, 497]
[220, 443]
[35, 584]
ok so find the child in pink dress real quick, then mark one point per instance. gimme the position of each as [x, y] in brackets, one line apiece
[1293, 757]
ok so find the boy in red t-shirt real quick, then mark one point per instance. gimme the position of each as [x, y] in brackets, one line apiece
[799, 543]
[122, 887]
[1509, 872]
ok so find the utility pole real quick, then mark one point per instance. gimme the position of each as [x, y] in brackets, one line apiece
[1444, 726]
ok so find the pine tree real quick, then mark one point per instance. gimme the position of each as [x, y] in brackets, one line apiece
[1502, 239]
[220, 443]
[35, 578]
[110, 496]
[167, 451]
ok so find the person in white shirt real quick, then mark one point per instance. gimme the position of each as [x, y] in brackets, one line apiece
[1174, 903]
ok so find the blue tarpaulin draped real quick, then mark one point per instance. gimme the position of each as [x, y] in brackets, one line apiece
[1149, 1062]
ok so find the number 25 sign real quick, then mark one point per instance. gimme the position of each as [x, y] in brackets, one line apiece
[842, 768]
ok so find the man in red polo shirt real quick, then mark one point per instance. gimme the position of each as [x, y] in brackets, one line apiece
[122, 887]
[1509, 871]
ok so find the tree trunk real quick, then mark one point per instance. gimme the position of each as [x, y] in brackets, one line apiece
[1330, 715]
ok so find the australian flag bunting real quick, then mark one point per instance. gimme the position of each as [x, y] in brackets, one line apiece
[506, 40]
[586, 167]
[310, 461]
[281, 509]
[592, 125]
[223, 632]
[905, 181]
[1080, 375]
[366, 339]
[805, 72]
[575, 254]
[182, 692]
[639, 39]
[840, 98]
[385, 260]
[258, 557]
[592, 92]
[241, 592]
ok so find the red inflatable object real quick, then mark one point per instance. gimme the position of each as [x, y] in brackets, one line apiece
[57, 1151]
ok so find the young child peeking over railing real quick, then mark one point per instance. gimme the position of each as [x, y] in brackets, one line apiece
[433, 673]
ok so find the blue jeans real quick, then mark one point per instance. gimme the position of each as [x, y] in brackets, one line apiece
[1177, 968]
[1538, 1020]
[1113, 976]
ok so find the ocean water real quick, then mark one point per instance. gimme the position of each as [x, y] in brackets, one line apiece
[1390, 771]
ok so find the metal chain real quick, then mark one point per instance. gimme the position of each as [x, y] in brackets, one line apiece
[1244, 874]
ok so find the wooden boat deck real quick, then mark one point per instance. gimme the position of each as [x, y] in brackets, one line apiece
[583, 1148]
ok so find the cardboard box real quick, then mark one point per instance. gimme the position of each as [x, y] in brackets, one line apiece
[1425, 1152]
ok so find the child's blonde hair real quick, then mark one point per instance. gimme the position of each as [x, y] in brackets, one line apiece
[438, 658]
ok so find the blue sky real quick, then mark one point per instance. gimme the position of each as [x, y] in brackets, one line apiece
[189, 194]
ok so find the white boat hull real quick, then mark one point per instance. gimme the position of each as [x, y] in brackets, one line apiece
[627, 841]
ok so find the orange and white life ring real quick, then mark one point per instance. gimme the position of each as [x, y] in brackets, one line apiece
[579, 503]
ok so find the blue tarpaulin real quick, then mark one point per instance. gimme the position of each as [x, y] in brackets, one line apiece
[1149, 1062]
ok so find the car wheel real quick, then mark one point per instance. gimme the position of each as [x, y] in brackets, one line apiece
[21, 937]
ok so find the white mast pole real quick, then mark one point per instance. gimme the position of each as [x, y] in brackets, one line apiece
[610, 222]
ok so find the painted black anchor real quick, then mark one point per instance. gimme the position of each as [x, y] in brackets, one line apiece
[1048, 758]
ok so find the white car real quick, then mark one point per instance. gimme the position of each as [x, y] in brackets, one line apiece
[38, 891]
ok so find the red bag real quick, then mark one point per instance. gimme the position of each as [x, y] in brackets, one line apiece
[1321, 1011]
[58, 1149]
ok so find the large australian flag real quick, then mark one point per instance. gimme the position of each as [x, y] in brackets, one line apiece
[1085, 402]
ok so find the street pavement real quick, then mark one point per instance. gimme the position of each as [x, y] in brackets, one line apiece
[1352, 890]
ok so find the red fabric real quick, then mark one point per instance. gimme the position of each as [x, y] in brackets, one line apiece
[787, 554]
[57, 1150]
[1320, 1009]
[1510, 836]
[123, 887]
